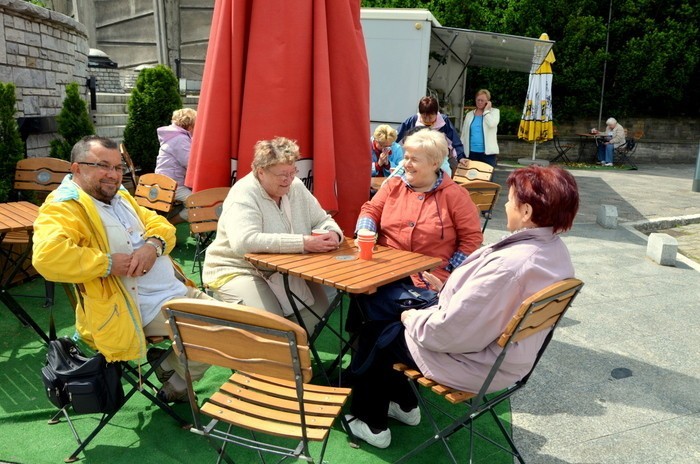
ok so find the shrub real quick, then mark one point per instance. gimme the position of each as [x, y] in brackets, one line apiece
[11, 145]
[510, 120]
[151, 105]
[74, 123]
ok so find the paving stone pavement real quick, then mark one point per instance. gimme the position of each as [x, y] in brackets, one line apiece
[620, 382]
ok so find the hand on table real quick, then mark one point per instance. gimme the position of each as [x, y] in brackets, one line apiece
[321, 243]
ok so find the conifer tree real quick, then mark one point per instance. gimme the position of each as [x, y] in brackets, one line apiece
[11, 145]
[74, 123]
[154, 98]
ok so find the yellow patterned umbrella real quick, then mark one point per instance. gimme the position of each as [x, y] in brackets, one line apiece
[536, 123]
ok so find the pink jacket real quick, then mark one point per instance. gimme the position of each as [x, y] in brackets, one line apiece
[454, 343]
[174, 153]
[436, 223]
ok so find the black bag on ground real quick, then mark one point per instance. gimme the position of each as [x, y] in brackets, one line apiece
[88, 384]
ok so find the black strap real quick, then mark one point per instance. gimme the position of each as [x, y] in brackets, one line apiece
[52, 325]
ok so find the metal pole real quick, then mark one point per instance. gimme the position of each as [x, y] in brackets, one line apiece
[605, 68]
[696, 179]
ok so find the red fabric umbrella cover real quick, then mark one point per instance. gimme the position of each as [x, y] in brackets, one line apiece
[294, 69]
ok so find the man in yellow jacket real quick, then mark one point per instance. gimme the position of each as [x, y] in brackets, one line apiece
[92, 233]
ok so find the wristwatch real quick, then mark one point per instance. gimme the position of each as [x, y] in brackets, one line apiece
[159, 248]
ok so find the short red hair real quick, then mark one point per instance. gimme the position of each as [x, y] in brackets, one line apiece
[551, 192]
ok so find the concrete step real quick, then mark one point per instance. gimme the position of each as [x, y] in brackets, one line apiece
[112, 97]
[113, 132]
[118, 119]
[110, 108]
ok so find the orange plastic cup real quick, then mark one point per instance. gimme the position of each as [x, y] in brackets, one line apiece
[366, 249]
[319, 232]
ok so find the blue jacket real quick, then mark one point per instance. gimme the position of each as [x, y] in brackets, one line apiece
[448, 129]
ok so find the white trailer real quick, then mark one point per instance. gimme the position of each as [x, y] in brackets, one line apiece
[411, 55]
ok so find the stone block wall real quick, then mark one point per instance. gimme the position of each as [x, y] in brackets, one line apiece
[41, 51]
[665, 140]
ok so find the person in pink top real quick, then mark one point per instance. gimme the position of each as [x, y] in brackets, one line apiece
[174, 154]
[454, 341]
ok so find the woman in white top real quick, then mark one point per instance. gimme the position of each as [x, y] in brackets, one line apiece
[480, 128]
[268, 211]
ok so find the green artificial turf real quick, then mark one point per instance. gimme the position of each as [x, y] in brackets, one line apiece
[140, 432]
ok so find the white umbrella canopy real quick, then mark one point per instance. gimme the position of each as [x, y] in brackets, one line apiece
[536, 123]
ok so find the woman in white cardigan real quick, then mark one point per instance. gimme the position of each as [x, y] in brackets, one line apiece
[480, 129]
[268, 211]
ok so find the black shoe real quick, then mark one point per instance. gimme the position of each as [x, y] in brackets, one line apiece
[153, 355]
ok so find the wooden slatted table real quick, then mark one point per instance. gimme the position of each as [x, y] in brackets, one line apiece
[17, 216]
[344, 271]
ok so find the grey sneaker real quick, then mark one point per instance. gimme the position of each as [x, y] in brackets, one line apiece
[409, 418]
[363, 432]
[607, 164]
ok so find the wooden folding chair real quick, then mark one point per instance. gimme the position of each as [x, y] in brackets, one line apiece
[130, 179]
[40, 175]
[484, 194]
[136, 375]
[156, 192]
[541, 311]
[204, 210]
[561, 148]
[269, 392]
[474, 170]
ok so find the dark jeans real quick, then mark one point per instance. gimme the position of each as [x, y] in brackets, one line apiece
[380, 383]
[490, 159]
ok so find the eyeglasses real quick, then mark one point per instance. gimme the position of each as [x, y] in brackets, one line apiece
[104, 167]
[290, 175]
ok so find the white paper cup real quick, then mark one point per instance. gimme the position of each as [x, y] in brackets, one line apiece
[320, 232]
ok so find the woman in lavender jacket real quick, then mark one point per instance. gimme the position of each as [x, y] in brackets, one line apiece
[454, 343]
[174, 154]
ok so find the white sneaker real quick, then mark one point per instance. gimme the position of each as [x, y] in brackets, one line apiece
[607, 164]
[363, 432]
[411, 417]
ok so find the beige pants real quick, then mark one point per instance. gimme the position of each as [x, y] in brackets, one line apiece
[158, 327]
[253, 291]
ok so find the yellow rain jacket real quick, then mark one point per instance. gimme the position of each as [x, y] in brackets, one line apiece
[71, 246]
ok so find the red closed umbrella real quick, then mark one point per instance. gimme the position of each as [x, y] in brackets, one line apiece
[296, 69]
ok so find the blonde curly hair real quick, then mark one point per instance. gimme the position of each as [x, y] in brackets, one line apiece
[184, 117]
[279, 150]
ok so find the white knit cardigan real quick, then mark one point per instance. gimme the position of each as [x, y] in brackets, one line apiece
[251, 222]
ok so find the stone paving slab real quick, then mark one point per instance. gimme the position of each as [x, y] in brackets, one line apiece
[633, 316]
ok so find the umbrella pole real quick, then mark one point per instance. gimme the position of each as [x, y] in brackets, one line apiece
[534, 150]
